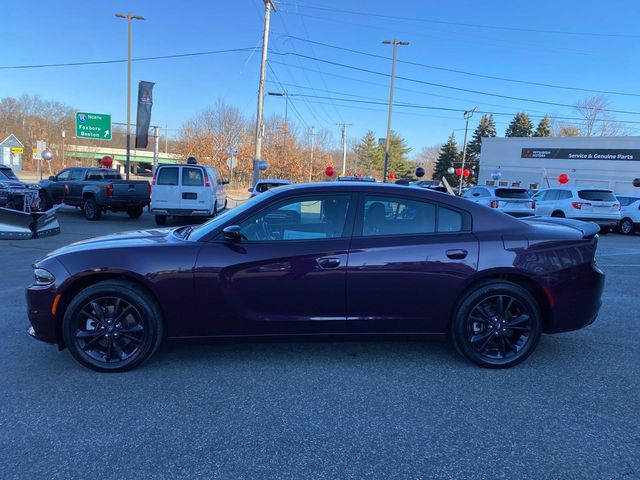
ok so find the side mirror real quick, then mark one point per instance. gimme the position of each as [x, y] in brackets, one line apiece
[52, 178]
[225, 181]
[232, 233]
[250, 190]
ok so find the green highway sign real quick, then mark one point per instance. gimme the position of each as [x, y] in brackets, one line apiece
[93, 125]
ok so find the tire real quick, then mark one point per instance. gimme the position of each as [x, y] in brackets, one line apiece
[96, 337]
[215, 210]
[134, 212]
[91, 209]
[627, 227]
[558, 214]
[225, 203]
[161, 220]
[45, 201]
[604, 230]
[493, 340]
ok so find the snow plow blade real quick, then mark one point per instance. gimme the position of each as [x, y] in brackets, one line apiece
[17, 225]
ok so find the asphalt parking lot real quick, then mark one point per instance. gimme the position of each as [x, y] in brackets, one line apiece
[322, 410]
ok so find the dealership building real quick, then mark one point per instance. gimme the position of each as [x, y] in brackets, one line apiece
[536, 162]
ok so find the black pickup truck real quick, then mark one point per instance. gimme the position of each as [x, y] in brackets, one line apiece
[97, 190]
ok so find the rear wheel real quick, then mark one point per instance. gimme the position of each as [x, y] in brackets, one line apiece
[215, 210]
[627, 226]
[161, 220]
[134, 212]
[112, 326]
[558, 214]
[497, 325]
[91, 209]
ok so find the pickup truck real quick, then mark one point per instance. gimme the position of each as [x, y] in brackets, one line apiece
[96, 190]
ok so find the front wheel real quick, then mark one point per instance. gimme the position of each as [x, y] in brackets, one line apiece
[627, 226]
[134, 212]
[497, 325]
[91, 209]
[112, 326]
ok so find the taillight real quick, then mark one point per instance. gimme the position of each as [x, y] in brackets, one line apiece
[579, 205]
[153, 182]
[149, 187]
[616, 206]
[533, 205]
[494, 203]
[206, 180]
[110, 190]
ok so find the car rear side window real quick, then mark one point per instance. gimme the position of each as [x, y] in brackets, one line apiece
[515, 193]
[167, 176]
[597, 195]
[192, 177]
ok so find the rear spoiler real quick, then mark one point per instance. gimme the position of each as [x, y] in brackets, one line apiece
[588, 229]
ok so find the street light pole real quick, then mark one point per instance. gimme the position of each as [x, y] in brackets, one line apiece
[387, 146]
[268, 5]
[64, 133]
[129, 16]
[284, 94]
[313, 134]
[467, 115]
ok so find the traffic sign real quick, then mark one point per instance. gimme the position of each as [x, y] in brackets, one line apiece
[93, 125]
[232, 162]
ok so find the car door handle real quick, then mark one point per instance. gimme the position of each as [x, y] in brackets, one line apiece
[457, 254]
[328, 262]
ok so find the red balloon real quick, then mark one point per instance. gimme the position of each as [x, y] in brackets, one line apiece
[458, 171]
[563, 178]
[466, 172]
[391, 175]
[329, 171]
[107, 161]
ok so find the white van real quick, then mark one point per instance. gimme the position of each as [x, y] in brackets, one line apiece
[187, 191]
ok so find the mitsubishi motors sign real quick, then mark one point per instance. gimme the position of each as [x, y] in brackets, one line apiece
[582, 153]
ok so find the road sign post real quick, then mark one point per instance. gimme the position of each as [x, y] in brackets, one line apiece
[93, 125]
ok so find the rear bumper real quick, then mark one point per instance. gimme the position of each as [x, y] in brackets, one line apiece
[519, 214]
[182, 212]
[576, 299]
[124, 204]
[602, 221]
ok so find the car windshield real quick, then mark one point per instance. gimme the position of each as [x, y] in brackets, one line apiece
[263, 187]
[201, 230]
[512, 193]
[597, 195]
[7, 174]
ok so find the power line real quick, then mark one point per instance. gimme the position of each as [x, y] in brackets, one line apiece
[460, 89]
[141, 59]
[469, 25]
[462, 72]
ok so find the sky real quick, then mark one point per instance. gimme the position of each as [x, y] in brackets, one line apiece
[582, 44]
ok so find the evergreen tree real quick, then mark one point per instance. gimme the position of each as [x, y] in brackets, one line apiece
[544, 128]
[520, 126]
[399, 162]
[486, 128]
[449, 155]
[370, 156]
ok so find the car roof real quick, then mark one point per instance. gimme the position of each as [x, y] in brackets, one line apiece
[275, 180]
[629, 195]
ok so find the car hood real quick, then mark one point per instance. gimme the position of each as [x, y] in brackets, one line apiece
[138, 238]
[12, 184]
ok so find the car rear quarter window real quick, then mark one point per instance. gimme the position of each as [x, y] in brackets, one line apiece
[192, 177]
[597, 195]
[167, 176]
[515, 193]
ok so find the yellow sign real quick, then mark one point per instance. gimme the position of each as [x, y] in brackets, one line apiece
[17, 150]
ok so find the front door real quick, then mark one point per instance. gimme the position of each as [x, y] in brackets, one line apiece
[407, 263]
[60, 186]
[287, 275]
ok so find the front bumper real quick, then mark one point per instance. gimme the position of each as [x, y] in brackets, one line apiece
[43, 322]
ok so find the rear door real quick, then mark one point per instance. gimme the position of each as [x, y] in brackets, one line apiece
[408, 261]
[165, 193]
[546, 204]
[196, 191]
[514, 200]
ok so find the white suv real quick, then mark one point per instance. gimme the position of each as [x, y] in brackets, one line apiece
[598, 205]
[630, 213]
[187, 191]
[512, 200]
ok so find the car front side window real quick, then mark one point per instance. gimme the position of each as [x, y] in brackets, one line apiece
[315, 217]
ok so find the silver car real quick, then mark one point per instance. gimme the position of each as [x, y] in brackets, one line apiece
[511, 200]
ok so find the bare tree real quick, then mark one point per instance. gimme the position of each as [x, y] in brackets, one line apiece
[597, 120]
[426, 158]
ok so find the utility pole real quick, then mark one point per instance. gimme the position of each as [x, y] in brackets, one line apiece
[166, 139]
[284, 94]
[467, 115]
[344, 126]
[268, 5]
[64, 133]
[313, 134]
[129, 16]
[156, 148]
[395, 44]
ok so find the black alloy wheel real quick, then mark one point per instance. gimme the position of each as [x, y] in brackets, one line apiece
[91, 210]
[112, 326]
[627, 226]
[497, 325]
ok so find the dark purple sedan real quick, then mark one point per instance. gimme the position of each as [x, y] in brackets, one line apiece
[328, 260]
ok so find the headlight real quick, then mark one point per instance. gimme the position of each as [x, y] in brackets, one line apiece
[43, 277]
